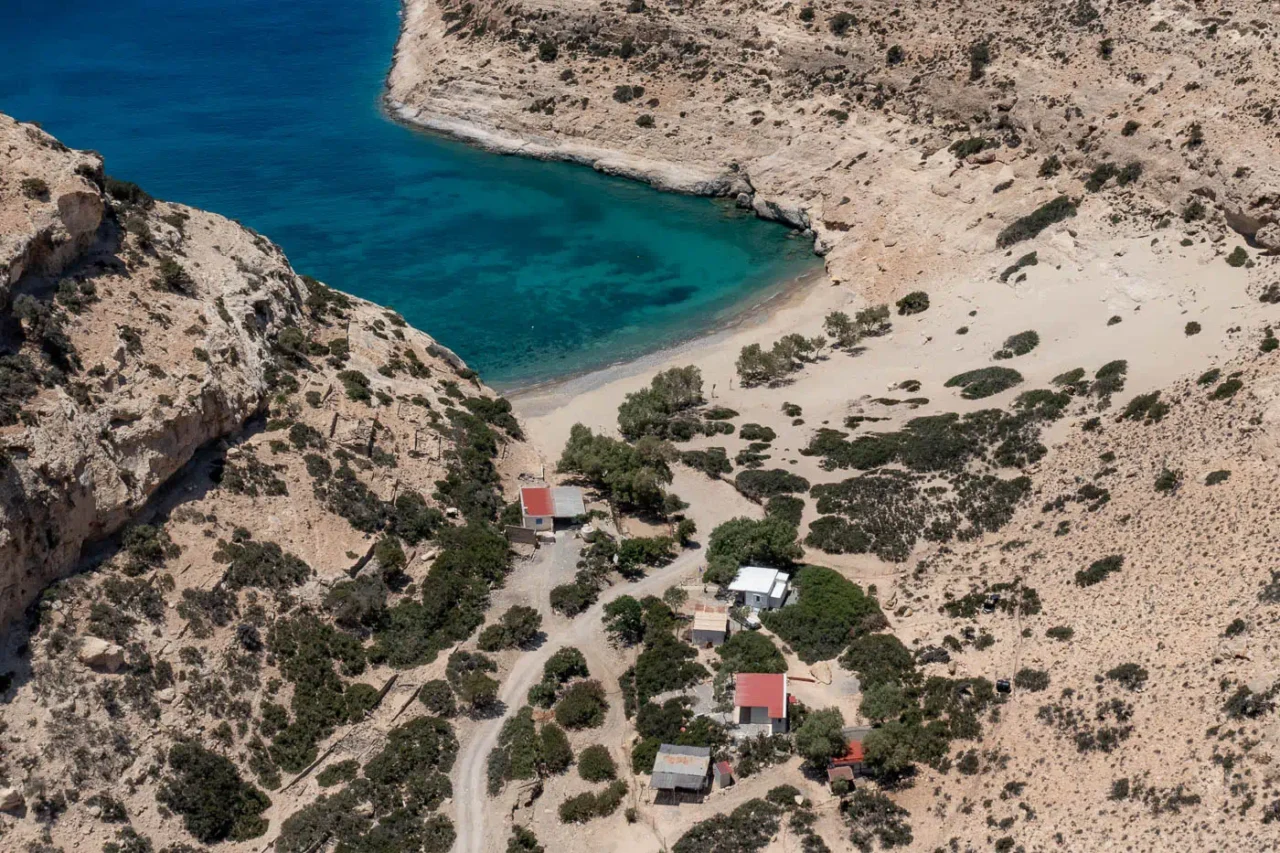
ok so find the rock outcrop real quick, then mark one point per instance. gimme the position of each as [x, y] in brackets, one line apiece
[928, 125]
[200, 449]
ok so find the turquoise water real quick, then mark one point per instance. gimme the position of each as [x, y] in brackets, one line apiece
[267, 111]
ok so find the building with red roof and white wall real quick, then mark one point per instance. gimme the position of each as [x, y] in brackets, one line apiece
[760, 700]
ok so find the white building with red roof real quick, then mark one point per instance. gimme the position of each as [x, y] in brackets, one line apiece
[540, 506]
[760, 700]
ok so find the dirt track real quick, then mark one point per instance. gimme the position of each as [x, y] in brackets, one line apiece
[470, 790]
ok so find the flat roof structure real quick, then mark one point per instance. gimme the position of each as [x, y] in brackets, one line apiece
[567, 502]
[758, 579]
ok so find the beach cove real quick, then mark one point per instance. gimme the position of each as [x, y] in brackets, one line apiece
[530, 271]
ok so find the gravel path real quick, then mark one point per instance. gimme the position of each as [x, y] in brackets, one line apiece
[586, 632]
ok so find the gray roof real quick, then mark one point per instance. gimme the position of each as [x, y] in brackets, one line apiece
[681, 767]
[568, 502]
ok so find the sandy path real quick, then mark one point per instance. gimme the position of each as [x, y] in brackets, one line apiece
[470, 786]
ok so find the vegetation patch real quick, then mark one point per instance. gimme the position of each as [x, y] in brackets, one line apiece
[984, 382]
[1019, 344]
[1030, 226]
[831, 609]
[1099, 570]
[215, 803]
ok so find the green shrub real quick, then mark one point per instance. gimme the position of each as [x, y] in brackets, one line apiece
[595, 764]
[523, 841]
[1192, 328]
[1227, 389]
[1033, 680]
[972, 145]
[820, 738]
[741, 541]
[787, 508]
[1061, 633]
[749, 651]
[34, 188]
[1019, 344]
[582, 706]
[747, 829]
[1030, 259]
[1238, 257]
[1168, 480]
[1215, 477]
[173, 278]
[518, 627]
[632, 475]
[756, 432]
[356, 384]
[759, 484]
[437, 697]
[1033, 223]
[916, 302]
[262, 565]
[984, 382]
[1145, 407]
[873, 816]
[979, 59]
[341, 771]
[215, 803]
[840, 23]
[713, 461]
[1099, 570]
[831, 609]
[1130, 676]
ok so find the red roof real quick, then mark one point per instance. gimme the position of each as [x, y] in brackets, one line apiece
[853, 756]
[723, 768]
[754, 690]
[536, 500]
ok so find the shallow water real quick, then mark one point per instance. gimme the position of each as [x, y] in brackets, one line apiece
[267, 111]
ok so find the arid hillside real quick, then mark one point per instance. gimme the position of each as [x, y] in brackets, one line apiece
[903, 134]
[1051, 462]
[283, 493]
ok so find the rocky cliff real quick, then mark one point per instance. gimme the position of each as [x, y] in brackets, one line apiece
[265, 474]
[901, 134]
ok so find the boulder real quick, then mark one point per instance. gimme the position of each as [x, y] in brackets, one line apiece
[98, 654]
[11, 800]
[1268, 237]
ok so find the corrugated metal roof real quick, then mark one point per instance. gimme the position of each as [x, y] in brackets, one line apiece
[680, 767]
[671, 781]
[536, 500]
[761, 690]
[568, 502]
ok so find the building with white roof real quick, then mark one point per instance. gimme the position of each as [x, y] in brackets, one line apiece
[760, 588]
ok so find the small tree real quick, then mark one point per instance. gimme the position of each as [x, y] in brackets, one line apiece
[582, 706]
[624, 620]
[819, 738]
[523, 841]
[437, 697]
[595, 764]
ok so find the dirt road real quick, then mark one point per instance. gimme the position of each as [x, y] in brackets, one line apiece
[585, 631]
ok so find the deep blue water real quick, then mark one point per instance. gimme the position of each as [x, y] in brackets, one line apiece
[267, 111]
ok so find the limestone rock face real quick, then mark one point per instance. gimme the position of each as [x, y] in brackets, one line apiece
[162, 371]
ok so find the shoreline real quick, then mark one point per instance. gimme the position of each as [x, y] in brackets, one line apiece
[792, 293]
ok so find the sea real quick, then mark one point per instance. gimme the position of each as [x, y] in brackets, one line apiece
[269, 112]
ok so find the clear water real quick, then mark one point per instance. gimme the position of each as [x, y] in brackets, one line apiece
[267, 111]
